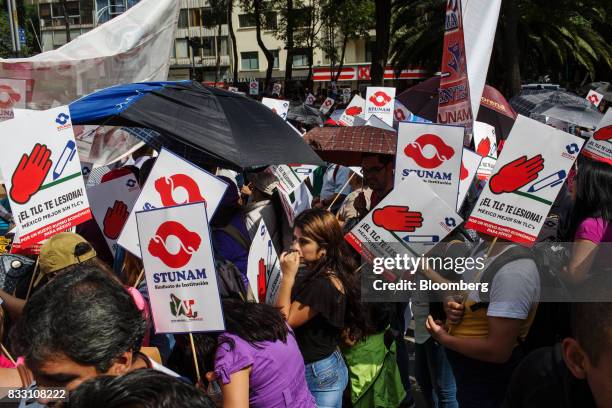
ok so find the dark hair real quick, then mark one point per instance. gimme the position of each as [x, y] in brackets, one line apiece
[383, 158]
[84, 314]
[322, 227]
[591, 325]
[145, 170]
[593, 186]
[252, 322]
[144, 388]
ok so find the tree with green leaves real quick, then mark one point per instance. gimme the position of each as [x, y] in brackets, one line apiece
[258, 9]
[232, 35]
[218, 17]
[380, 54]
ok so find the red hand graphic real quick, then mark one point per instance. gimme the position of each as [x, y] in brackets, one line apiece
[261, 281]
[464, 172]
[516, 174]
[397, 218]
[484, 147]
[605, 133]
[115, 218]
[30, 174]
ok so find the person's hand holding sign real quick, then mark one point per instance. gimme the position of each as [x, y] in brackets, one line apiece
[516, 174]
[30, 174]
[397, 218]
[114, 219]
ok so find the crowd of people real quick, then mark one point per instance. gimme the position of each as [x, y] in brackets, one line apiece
[85, 325]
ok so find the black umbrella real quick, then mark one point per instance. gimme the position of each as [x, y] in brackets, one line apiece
[305, 114]
[203, 124]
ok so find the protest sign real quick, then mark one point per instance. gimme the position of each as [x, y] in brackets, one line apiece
[326, 105]
[599, 146]
[288, 180]
[380, 101]
[594, 97]
[303, 171]
[253, 88]
[12, 95]
[263, 269]
[43, 174]
[346, 94]
[233, 89]
[355, 109]
[374, 121]
[526, 180]
[454, 105]
[400, 113]
[172, 181]
[433, 152]
[111, 204]
[469, 166]
[278, 106]
[276, 88]
[179, 266]
[84, 136]
[486, 146]
[310, 99]
[296, 202]
[412, 219]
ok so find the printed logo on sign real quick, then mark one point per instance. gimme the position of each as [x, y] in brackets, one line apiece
[188, 243]
[180, 307]
[169, 189]
[457, 61]
[448, 224]
[8, 97]
[399, 115]
[62, 120]
[594, 99]
[364, 72]
[442, 151]
[464, 172]
[605, 133]
[380, 99]
[452, 19]
[353, 111]
[572, 148]
[262, 230]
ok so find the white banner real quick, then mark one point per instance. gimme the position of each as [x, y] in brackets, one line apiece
[469, 165]
[172, 181]
[263, 270]
[433, 152]
[326, 106]
[355, 109]
[310, 99]
[594, 97]
[253, 88]
[293, 204]
[180, 269]
[380, 101]
[528, 175]
[278, 106]
[42, 172]
[412, 218]
[599, 146]
[111, 204]
[288, 180]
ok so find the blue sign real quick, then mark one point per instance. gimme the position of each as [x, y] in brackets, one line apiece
[22, 36]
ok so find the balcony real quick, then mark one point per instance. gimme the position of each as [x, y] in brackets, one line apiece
[200, 32]
[200, 62]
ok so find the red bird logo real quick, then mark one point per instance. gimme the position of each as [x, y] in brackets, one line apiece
[166, 186]
[189, 244]
[415, 151]
[353, 111]
[380, 99]
[8, 97]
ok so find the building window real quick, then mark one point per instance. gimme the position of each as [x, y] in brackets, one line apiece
[270, 22]
[223, 50]
[303, 17]
[44, 11]
[195, 18]
[275, 54]
[249, 60]
[370, 45]
[208, 46]
[300, 59]
[209, 17]
[181, 48]
[183, 21]
[246, 20]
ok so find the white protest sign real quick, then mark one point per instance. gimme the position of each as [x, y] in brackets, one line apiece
[278, 106]
[380, 101]
[263, 269]
[355, 109]
[469, 166]
[310, 99]
[86, 168]
[346, 94]
[594, 97]
[42, 174]
[288, 180]
[528, 175]
[12, 95]
[179, 266]
[357, 169]
[111, 204]
[172, 181]
[374, 121]
[400, 113]
[486, 146]
[326, 105]
[433, 152]
[599, 146]
[276, 88]
[233, 89]
[293, 204]
[253, 88]
[304, 171]
[411, 220]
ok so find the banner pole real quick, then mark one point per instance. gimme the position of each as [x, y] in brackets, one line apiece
[139, 278]
[7, 354]
[195, 358]
[34, 274]
[340, 192]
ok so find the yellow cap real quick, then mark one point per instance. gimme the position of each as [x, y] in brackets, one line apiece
[60, 252]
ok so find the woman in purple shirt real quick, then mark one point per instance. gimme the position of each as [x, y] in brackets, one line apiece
[256, 360]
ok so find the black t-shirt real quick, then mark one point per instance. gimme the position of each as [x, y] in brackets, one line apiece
[319, 337]
[543, 380]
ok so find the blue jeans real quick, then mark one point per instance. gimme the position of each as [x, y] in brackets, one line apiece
[327, 380]
[435, 375]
